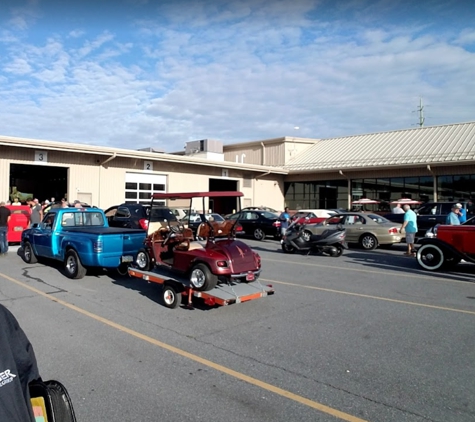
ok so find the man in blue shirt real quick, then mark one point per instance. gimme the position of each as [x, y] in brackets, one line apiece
[453, 217]
[410, 226]
[284, 221]
[462, 213]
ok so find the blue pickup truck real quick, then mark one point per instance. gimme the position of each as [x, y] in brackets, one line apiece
[81, 238]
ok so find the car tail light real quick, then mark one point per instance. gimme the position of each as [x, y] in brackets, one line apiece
[98, 246]
[222, 264]
[257, 258]
[143, 223]
[393, 230]
[238, 228]
[276, 223]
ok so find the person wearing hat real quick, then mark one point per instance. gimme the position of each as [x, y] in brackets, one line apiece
[453, 217]
[462, 213]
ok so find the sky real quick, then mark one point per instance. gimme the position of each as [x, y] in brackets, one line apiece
[159, 73]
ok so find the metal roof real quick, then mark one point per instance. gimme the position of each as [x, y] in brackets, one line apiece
[111, 153]
[446, 144]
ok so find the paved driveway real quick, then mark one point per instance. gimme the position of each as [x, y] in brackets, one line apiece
[364, 337]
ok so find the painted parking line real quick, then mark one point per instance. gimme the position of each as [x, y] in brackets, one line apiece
[363, 270]
[385, 299]
[238, 375]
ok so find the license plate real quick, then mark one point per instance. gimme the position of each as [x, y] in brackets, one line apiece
[17, 229]
[127, 258]
[250, 277]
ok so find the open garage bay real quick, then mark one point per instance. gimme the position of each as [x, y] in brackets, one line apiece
[365, 337]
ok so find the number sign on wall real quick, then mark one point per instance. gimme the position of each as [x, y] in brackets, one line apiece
[41, 157]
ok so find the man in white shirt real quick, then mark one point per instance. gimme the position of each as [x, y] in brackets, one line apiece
[397, 209]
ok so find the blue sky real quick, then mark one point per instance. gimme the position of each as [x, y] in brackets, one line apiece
[140, 73]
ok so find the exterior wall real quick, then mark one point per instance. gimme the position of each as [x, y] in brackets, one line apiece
[104, 185]
[275, 153]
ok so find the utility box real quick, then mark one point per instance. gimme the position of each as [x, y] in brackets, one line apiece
[205, 148]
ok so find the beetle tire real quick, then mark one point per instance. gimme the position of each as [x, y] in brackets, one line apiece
[202, 279]
[142, 260]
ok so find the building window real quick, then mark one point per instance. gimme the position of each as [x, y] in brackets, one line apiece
[140, 187]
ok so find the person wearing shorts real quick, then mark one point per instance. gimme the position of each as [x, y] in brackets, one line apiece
[410, 226]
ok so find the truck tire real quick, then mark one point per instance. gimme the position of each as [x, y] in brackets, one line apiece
[142, 261]
[28, 254]
[430, 257]
[72, 265]
[202, 279]
[171, 296]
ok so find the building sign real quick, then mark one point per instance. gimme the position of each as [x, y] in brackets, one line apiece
[148, 165]
[225, 172]
[41, 157]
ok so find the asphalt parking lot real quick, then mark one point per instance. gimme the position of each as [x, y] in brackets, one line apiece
[365, 337]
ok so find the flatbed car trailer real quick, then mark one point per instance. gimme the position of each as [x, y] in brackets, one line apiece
[176, 289]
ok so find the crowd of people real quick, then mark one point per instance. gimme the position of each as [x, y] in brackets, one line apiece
[36, 210]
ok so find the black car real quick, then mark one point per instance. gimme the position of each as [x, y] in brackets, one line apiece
[258, 223]
[429, 214]
[136, 216]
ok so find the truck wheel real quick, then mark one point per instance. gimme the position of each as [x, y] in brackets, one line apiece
[259, 234]
[202, 279]
[73, 266]
[288, 248]
[28, 254]
[170, 296]
[430, 257]
[143, 260]
[368, 242]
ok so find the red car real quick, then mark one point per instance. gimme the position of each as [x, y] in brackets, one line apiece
[19, 221]
[220, 258]
[311, 216]
[449, 247]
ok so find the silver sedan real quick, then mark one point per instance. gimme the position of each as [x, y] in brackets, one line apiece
[368, 230]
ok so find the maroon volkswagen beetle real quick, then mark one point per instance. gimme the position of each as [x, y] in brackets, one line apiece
[220, 257]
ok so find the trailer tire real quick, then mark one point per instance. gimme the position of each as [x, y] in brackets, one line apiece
[72, 265]
[202, 279]
[28, 254]
[171, 297]
[142, 260]
[123, 269]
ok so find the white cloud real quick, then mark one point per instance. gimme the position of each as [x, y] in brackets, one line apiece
[235, 72]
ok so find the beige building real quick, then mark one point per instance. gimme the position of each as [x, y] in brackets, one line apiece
[427, 163]
[105, 176]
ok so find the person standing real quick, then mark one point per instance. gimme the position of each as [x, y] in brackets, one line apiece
[453, 216]
[16, 202]
[36, 212]
[284, 219]
[462, 213]
[397, 209]
[4, 219]
[410, 226]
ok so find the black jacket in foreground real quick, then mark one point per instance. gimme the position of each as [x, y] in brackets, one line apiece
[17, 369]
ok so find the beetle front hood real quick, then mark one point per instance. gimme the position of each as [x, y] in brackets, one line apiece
[240, 255]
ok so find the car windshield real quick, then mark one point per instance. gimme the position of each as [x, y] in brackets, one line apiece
[378, 219]
[160, 214]
[269, 215]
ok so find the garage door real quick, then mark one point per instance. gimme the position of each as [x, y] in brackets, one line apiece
[140, 187]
